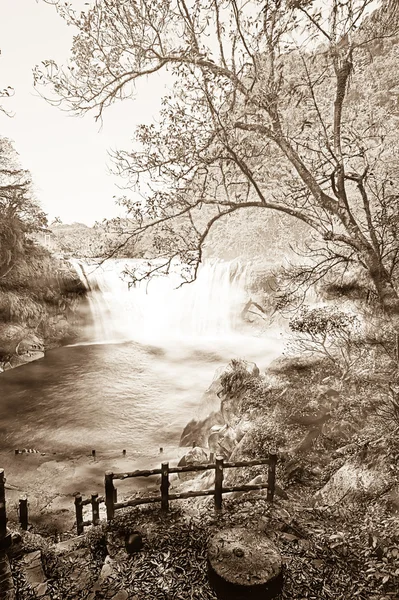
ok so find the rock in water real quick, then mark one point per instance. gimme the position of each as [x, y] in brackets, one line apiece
[244, 564]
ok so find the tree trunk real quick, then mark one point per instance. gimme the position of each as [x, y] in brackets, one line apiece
[387, 294]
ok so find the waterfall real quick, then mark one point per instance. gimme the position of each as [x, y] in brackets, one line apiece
[162, 308]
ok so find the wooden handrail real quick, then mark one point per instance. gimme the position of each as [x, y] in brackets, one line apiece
[192, 468]
[110, 497]
[219, 465]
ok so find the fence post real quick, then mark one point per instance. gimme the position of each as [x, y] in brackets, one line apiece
[23, 512]
[271, 476]
[165, 486]
[95, 512]
[218, 482]
[79, 514]
[3, 516]
[109, 494]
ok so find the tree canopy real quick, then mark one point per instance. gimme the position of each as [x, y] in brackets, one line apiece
[20, 214]
[285, 105]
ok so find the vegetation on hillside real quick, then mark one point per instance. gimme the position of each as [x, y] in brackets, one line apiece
[38, 293]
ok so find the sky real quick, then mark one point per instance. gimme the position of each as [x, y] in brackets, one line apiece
[67, 155]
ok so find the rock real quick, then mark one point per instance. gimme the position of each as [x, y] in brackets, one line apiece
[195, 456]
[197, 432]
[30, 344]
[133, 542]
[213, 439]
[121, 595]
[234, 377]
[23, 359]
[34, 574]
[352, 481]
[244, 563]
[107, 569]
[227, 441]
[68, 546]
[222, 440]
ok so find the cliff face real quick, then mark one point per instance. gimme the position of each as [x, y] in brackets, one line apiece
[39, 301]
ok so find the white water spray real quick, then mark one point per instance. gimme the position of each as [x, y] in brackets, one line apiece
[162, 308]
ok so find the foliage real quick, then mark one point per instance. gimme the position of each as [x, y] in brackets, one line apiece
[79, 240]
[293, 110]
[35, 289]
[235, 379]
[388, 410]
[20, 215]
[329, 332]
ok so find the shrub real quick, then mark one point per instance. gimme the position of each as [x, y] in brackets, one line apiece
[329, 332]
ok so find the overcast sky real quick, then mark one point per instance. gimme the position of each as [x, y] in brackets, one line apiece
[66, 155]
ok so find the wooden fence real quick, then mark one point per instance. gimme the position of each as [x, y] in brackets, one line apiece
[23, 511]
[111, 501]
[95, 500]
[217, 492]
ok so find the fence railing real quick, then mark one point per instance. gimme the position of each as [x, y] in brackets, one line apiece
[95, 500]
[217, 492]
[111, 500]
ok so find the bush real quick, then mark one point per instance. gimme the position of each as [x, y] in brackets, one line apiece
[329, 332]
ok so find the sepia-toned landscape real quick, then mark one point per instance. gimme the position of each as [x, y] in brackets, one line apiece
[199, 300]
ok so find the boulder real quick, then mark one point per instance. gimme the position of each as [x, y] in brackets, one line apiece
[133, 542]
[213, 439]
[195, 456]
[30, 344]
[33, 572]
[197, 431]
[354, 481]
[23, 359]
[222, 440]
[227, 441]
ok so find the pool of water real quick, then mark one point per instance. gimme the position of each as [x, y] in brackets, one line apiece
[115, 396]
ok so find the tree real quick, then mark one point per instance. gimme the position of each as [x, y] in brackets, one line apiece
[272, 108]
[20, 215]
[6, 93]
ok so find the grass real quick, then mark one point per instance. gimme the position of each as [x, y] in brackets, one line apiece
[37, 291]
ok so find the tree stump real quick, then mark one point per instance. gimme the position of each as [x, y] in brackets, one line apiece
[244, 564]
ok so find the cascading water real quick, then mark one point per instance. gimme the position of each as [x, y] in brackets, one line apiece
[162, 308]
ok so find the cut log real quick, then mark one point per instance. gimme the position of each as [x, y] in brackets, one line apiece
[244, 564]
